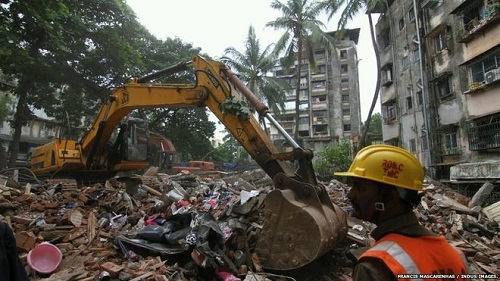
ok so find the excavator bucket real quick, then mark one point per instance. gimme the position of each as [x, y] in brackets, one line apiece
[301, 224]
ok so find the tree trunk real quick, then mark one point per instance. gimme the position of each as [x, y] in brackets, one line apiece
[3, 157]
[19, 119]
[297, 89]
[365, 128]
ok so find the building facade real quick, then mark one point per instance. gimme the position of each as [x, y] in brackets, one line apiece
[440, 91]
[329, 97]
[36, 132]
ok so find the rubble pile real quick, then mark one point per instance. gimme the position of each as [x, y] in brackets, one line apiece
[199, 227]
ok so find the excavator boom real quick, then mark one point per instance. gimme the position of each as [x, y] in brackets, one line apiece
[301, 222]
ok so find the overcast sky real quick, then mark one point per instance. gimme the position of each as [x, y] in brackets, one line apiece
[217, 24]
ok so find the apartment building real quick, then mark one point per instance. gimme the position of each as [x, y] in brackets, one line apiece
[329, 97]
[440, 91]
[36, 132]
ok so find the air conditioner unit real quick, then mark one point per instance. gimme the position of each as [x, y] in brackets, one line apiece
[490, 76]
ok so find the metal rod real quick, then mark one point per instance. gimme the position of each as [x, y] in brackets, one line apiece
[164, 72]
[282, 131]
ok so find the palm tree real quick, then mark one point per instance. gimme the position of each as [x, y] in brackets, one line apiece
[351, 8]
[302, 32]
[255, 67]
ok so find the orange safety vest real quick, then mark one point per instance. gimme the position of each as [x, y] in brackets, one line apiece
[413, 257]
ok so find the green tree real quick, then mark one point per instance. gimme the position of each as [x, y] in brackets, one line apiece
[64, 54]
[334, 159]
[375, 124]
[5, 100]
[68, 56]
[302, 32]
[350, 9]
[189, 130]
[254, 66]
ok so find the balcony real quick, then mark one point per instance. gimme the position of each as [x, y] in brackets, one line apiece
[491, 79]
[484, 133]
[451, 151]
[477, 19]
[319, 120]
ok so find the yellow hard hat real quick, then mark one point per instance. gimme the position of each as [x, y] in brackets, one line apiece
[387, 164]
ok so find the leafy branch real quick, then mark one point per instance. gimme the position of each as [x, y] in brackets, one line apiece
[237, 107]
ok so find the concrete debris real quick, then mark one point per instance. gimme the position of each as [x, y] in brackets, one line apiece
[192, 227]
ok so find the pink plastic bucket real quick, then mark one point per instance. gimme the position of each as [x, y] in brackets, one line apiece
[44, 258]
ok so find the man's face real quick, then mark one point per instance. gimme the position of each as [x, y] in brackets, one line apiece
[363, 195]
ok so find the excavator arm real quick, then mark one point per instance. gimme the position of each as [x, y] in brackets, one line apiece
[301, 223]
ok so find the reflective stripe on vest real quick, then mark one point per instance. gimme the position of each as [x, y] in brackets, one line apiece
[398, 254]
[418, 255]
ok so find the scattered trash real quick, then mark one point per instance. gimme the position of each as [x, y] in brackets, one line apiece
[182, 227]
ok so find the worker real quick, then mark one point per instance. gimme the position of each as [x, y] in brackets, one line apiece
[11, 268]
[386, 185]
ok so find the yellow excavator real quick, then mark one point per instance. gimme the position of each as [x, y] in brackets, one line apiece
[301, 223]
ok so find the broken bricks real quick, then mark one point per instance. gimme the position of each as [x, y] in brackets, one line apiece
[96, 227]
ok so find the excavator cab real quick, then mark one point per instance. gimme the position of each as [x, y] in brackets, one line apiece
[128, 142]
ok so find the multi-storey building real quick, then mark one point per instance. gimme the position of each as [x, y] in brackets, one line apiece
[440, 91]
[329, 96]
[36, 132]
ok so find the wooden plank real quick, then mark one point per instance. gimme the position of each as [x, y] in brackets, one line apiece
[493, 212]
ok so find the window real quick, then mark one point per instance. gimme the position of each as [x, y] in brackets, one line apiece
[346, 111]
[412, 145]
[318, 99]
[303, 120]
[443, 87]
[290, 105]
[411, 14]
[303, 82]
[440, 41]
[401, 23]
[389, 111]
[320, 130]
[345, 97]
[423, 139]
[450, 143]
[304, 106]
[385, 38]
[322, 68]
[405, 62]
[387, 74]
[318, 84]
[319, 113]
[409, 103]
[344, 68]
[347, 127]
[343, 54]
[487, 69]
[473, 16]
[420, 99]
[416, 55]
[319, 55]
[484, 133]
[304, 94]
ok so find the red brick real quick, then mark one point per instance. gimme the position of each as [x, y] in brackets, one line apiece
[25, 240]
[112, 268]
[51, 205]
